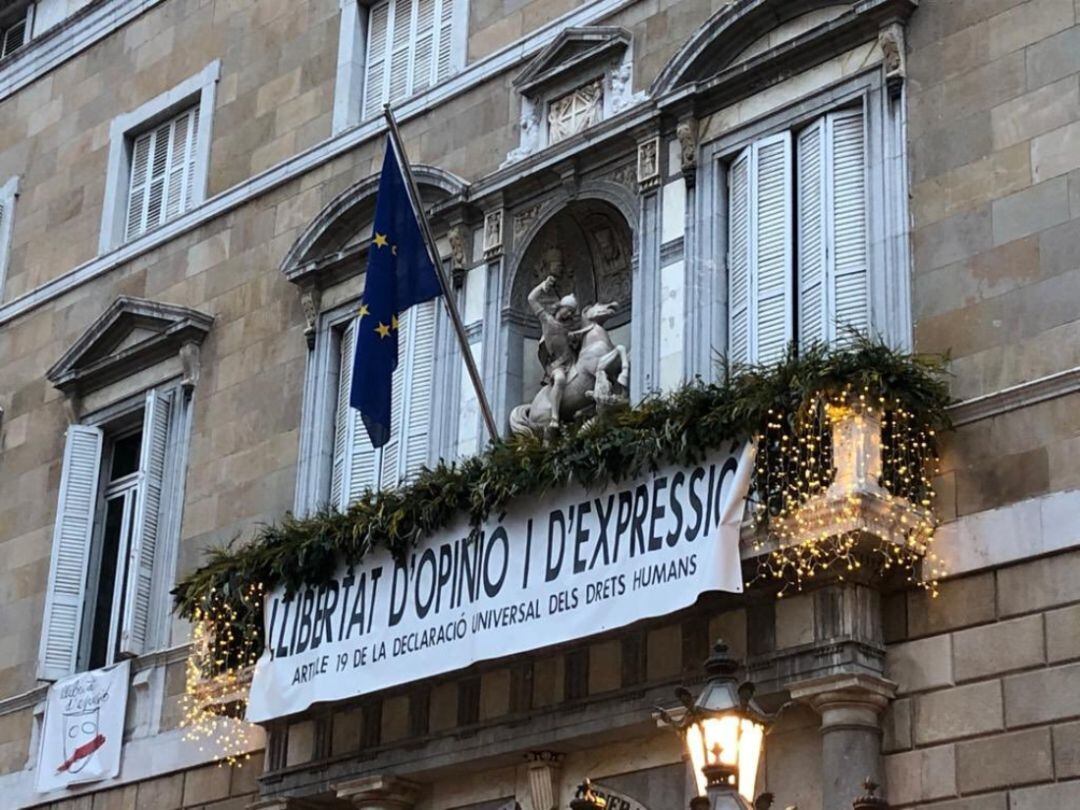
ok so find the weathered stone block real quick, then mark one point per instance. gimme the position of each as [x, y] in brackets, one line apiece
[1034, 209]
[953, 239]
[395, 718]
[345, 734]
[989, 801]
[1042, 696]
[920, 665]
[1039, 584]
[1063, 634]
[1067, 750]
[207, 784]
[118, 799]
[605, 666]
[919, 776]
[731, 627]
[1034, 113]
[1044, 797]
[896, 726]
[664, 652]
[995, 648]
[443, 707]
[1056, 152]
[961, 712]
[301, 743]
[959, 603]
[1004, 760]
[1054, 58]
[165, 793]
[494, 694]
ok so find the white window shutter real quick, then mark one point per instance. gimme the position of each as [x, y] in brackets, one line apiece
[135, 623]
[771, 248]
[421, 378]
[848, 249]
[354, 467]
[374, 76]
[390, 473]
[738, 259]
[444, 65]
[140, 170]
[812, 234]
[72, 535]
[401, 28]
[424, 45]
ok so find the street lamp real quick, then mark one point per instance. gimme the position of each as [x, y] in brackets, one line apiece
[724, 730]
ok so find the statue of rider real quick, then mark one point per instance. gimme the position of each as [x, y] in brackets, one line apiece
[559, 319]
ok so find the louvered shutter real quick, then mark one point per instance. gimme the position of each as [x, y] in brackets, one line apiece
[374, 78]
[401, 28]
[771, 248]
[389, 474]
[739, 259]
[424, 48]
[444, 65]
[13, 37]
[72, 536]
[140, 168]
[354, 458]
[417, 411]
[135, 623]
[812, 229]
[848, 260]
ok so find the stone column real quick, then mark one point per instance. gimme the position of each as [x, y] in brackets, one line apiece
[850, 707]
[379, 792]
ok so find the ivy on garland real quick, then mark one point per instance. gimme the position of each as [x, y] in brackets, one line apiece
[680, 427]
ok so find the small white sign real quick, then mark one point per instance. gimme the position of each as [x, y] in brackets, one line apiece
[552, 569]
[84, 728]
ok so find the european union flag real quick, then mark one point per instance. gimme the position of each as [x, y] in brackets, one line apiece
[399, 274]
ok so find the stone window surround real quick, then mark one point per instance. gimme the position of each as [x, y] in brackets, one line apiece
[351, 58]
[889, 260]
[9, 192]
[198, 89]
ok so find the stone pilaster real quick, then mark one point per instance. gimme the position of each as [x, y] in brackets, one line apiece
[850, 707]
[379, 792]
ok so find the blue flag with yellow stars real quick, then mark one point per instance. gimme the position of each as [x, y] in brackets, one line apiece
[399, 275]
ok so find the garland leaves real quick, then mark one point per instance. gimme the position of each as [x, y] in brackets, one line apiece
[680, 427]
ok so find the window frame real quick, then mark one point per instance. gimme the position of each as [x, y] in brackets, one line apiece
[198, 90]
[350, 92]
[9, 194]
[888, 256]
[115, 421]
[319, 410]
[30, 12]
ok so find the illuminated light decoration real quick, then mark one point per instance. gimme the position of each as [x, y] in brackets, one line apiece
[846, 480]
[224, 650]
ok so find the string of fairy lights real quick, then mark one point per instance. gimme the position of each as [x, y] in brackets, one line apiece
[225, 644]
[810, 527]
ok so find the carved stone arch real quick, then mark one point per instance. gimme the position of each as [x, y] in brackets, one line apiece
[728, 33]
[600, 190]
[335, 228]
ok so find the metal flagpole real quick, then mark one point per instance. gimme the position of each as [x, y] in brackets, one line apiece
[433, 254]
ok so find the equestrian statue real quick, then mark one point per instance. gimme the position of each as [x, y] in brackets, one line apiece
[584, 372]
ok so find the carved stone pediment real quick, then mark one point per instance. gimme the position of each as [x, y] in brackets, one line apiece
[572, 52]
[131, 335]
[583, 77]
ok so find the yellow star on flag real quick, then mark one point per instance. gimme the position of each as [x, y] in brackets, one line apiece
[393, 322]
[362, 311]
[383, 330]
[380, 240]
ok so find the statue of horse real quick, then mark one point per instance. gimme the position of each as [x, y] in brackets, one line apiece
[599, 378]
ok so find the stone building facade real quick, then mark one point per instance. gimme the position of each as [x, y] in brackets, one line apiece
[186, 193]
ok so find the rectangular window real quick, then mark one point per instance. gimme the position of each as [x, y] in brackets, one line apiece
[357, 466]
[409, 48]
[163, 164]
[15, 27]
[797, 239]
[108, 525]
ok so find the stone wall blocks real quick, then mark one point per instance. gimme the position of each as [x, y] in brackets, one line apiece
[1042, 696]
[1039, 584]
[921, 776]
[961, 602]
[995, 648]
[1063, 634]
[918, 666]
[206, 784]
[963, 711]
[1045, 797]
[1004, 760]
[1035, 209]
[1054, 58]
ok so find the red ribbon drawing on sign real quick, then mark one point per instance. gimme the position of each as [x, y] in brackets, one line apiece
[84, 750]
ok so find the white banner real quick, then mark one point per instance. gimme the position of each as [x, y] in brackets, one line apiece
[553, 569]
[84, 728]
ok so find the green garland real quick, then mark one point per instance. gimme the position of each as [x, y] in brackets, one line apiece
[680, 427]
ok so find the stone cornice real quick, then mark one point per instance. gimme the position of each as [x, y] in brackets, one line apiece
[1016, 397]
